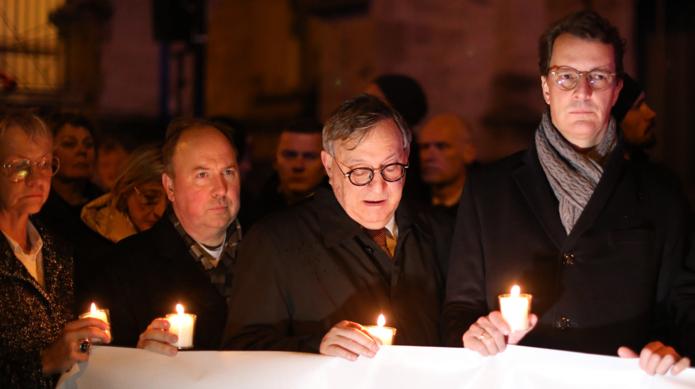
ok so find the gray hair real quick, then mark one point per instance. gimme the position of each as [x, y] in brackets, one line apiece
[356, 117]
[31, 124]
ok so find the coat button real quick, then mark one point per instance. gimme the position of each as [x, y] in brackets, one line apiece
[568, 259]
[563, 323]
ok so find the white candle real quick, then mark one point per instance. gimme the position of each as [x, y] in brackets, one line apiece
[97, 313]
[515, 308]
[381, 332]
[182, 325]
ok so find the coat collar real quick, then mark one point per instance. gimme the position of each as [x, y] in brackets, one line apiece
[337, 226]
[166, 240]
[12, 267]
[534, 185]
[531, 180]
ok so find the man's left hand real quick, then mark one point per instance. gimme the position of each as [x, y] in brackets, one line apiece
[657, 358]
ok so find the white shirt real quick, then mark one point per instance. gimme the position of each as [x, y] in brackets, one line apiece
[392, 227]
[216, 253]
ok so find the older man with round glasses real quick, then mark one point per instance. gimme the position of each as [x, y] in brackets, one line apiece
[598, 240]
[38, 339]
[313, 275]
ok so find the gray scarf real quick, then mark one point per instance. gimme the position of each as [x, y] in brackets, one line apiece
[573, 176]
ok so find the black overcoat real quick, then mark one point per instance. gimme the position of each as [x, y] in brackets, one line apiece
[147, 275]
[609, 283]
[302, 271]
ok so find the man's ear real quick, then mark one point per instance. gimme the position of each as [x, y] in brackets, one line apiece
[546, 89]
[168, 184]
[616, 91]
[327, 161]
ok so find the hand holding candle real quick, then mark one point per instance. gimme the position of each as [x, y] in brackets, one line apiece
[349, 340]
[490, 334]
[515, 308]
[97, 313]
[182, 325]
[381, 332]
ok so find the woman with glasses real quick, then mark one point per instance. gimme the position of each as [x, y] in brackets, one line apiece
[136, 202]
[38, 339]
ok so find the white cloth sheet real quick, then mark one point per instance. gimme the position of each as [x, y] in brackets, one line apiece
[393, 367]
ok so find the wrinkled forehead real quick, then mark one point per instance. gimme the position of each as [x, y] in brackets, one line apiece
[300, 141]
[203, 145]
[16, 141]
[382, 141]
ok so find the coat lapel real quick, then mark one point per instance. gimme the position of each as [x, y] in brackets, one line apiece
[336, 226]
[531, 180]
[12, 267]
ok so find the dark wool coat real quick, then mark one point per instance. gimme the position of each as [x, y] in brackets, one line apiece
[147, 274]
[32, 317]
[302, 271]
[609, 283]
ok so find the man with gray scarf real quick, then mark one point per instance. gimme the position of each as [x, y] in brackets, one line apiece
[598, 240]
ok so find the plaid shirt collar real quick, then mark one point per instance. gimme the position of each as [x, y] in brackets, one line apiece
[220, 275]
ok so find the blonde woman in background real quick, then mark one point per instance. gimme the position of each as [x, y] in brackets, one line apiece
[136, 202]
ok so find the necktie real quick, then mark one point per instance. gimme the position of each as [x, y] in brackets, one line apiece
[379, 237]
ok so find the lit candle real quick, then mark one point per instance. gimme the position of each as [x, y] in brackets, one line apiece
[381, 332]
[182, 325]
[515, 308]
[97, 313]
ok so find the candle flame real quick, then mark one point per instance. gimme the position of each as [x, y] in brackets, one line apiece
[179, 309]
[93, 308]
[381, 320]
[516, 290]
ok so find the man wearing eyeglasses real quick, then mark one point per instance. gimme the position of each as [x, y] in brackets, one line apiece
[596, 239]
[314, 275]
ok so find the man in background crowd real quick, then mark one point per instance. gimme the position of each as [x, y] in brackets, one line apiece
[446, 147]
[635, 117]
[298, 170]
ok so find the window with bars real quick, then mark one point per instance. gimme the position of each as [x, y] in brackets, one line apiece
[31, 55]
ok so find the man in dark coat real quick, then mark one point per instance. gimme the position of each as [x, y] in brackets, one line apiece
[598, 240]
[315, 273]
[188, 256]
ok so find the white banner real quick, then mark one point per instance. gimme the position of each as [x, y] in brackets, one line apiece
[393, 367]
